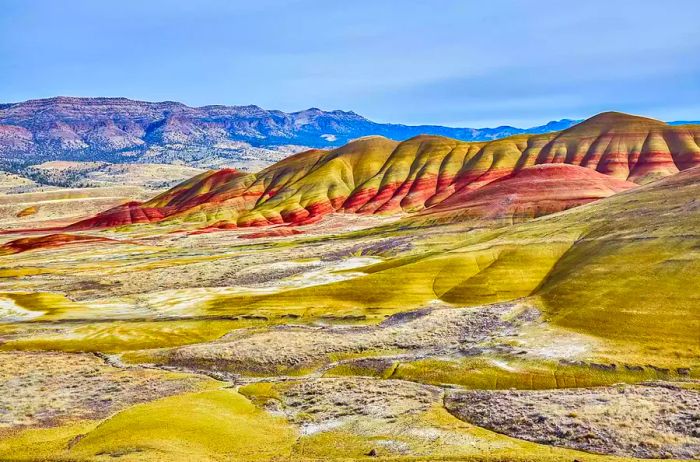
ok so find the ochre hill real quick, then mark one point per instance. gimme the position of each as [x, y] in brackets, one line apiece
[377, 175]
[191, 193]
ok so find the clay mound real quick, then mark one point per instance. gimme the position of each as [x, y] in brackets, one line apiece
[52, 240]
[530, 193]
[375, 175]
[121, 215]
[198, 190]
[206, 187]
[637, 149]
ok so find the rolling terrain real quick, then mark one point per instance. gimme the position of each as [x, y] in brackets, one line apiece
[379, 176]
[40, 138]
[58, 193]
[123, 130]
[527, 298]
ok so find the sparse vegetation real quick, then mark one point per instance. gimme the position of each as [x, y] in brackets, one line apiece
[366, 337]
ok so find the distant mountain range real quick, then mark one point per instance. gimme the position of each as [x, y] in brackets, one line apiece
[119, 130]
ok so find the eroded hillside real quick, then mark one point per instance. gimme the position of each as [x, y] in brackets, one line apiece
[379, 176]
[532, 298]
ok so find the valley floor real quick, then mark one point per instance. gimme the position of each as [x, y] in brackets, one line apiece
[362, 338]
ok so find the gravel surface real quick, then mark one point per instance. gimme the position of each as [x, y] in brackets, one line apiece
[627, 420]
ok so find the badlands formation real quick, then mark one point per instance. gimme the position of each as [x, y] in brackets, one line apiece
[379, 176]
[529, 298]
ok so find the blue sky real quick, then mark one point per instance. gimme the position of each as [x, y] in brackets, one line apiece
[458, 63]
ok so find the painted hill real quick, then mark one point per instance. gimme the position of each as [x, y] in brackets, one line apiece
[194, 192]
[529, 193]
[621, 269]
[637, 149]
[377, 175]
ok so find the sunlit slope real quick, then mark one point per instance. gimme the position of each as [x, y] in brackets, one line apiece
[325, 186]
[634, 275]
[203, 188]
[634, 148]
[377, 175]
[624, 268]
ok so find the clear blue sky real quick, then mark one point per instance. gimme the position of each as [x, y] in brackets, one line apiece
[459, 63]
